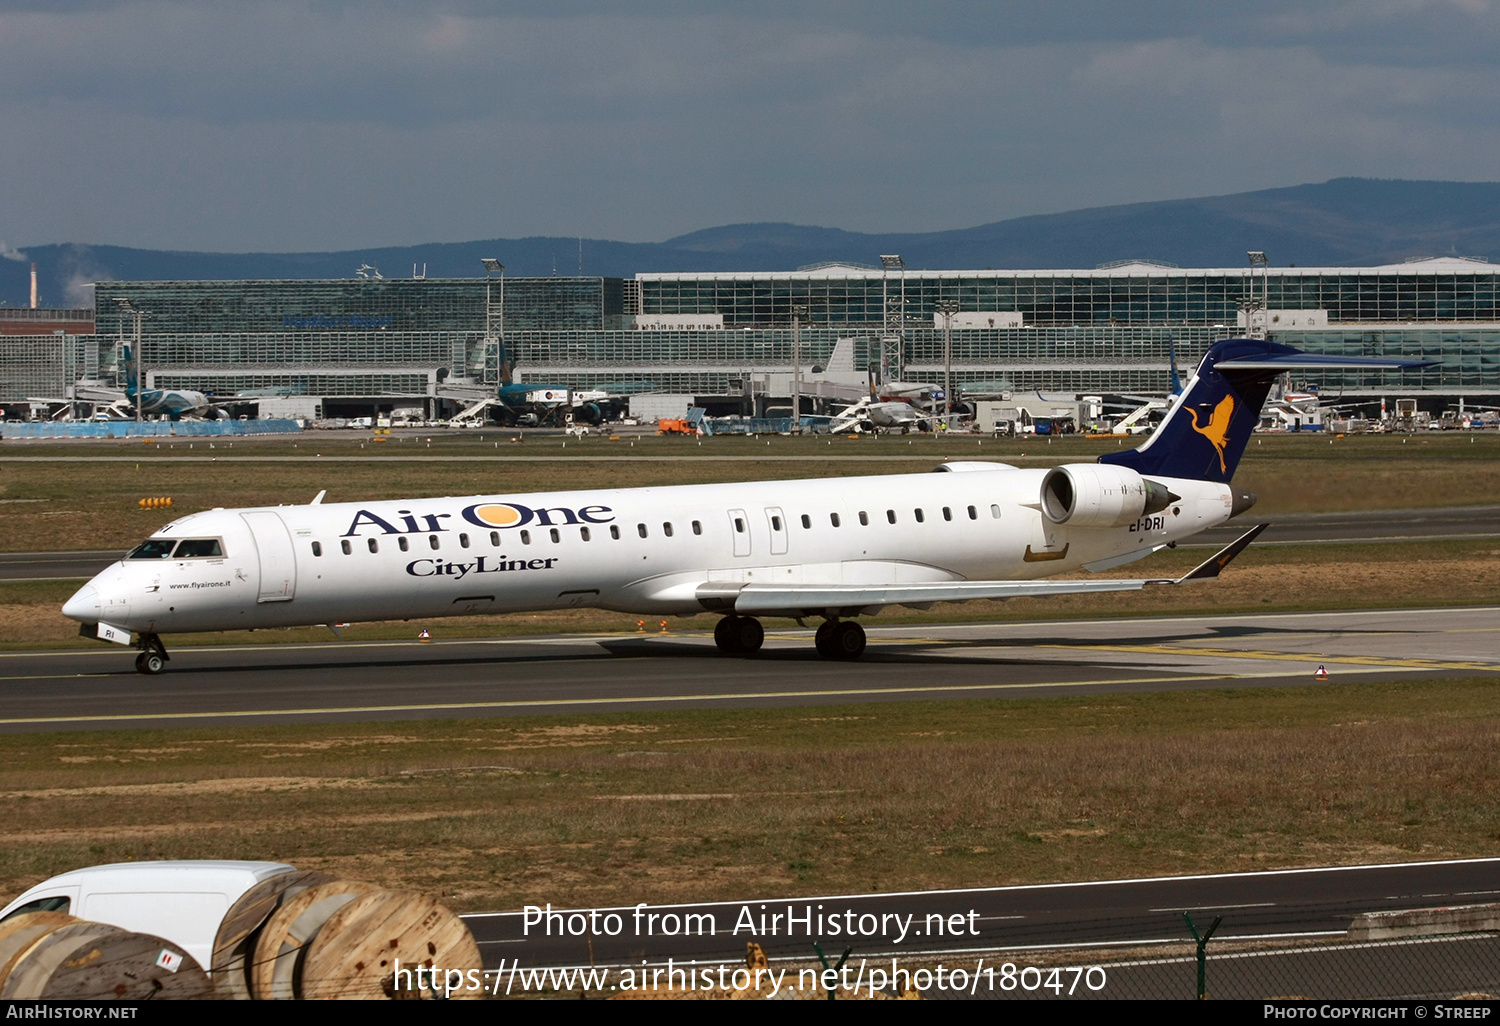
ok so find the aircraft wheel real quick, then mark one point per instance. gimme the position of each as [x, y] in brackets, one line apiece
[847, 640]
[725, 635]
[749, 635]
[153, 657]
[823, 639]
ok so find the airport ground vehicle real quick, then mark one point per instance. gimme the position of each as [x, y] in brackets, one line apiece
[183, 902]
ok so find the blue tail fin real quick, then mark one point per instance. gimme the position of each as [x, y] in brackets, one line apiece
[126, 369]
[1204, 433]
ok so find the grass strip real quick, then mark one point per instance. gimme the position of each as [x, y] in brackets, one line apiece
[726, 804]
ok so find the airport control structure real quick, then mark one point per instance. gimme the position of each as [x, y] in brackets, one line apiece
[441, 347]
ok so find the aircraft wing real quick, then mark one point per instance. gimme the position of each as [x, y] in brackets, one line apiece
[768, 599]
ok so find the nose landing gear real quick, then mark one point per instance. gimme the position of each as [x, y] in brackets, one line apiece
[153, 657]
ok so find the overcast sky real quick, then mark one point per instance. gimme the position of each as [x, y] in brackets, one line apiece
[290, 125]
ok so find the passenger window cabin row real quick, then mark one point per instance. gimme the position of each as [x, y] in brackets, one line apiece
[918, 514]
[433, 542]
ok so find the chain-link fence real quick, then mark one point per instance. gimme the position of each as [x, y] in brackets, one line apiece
[1318, 952]
[1445, 967]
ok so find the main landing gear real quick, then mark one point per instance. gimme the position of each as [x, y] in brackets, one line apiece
[836, 639]
[739, 635]
[840, 639]
[153, 657]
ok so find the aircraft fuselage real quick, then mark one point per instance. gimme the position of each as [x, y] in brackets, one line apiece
[640, 550]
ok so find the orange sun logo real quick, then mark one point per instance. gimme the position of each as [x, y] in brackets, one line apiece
[497, 515]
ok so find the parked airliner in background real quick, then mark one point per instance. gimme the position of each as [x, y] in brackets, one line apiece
[832, 549]
[153, 402]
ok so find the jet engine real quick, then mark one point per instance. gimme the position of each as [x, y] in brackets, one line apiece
[1100, 495]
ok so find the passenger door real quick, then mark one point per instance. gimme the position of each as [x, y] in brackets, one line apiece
[278, 562]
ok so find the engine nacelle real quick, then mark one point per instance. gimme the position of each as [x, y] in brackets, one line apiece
[1100, 495]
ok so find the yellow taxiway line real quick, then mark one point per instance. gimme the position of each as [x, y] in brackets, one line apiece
[707, 696]
[621, 700]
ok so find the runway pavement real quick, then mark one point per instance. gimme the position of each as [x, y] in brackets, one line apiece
[1449, 523]
[1304, 903]
[1388, 525]
[344, 682]
[55, 566]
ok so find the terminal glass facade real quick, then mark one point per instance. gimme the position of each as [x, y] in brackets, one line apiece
[1103, 331]
[1131, 295]
[358, 304]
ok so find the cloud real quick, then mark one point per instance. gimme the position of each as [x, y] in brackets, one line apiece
[317, 124]
[9, 252]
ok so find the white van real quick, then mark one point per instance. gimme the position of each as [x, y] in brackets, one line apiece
[183, 902]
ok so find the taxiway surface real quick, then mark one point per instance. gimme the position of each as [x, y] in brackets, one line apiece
[348, 681]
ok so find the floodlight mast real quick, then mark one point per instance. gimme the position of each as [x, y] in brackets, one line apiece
[799, 312]
[128, 306]
[491, 265]
[894, 340]
[1258, 259]
[947, 308]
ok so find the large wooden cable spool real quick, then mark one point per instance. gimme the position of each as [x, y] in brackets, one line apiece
[356, 953]
[234, 945]
[19, 934]
[284, 938]
[95, 961]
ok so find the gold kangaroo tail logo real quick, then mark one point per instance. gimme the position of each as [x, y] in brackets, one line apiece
[1217, 429]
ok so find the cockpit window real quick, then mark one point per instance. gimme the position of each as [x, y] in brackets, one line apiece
[153, 548]
[187, 548]
[191, 548]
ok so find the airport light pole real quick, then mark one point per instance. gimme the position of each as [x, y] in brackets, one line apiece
[894, 339]
[798, 313]
[1258, 259]
[947, 308]
[491, 265]
[128, 306]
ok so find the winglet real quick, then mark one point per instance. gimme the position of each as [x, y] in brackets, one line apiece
[1211, 566]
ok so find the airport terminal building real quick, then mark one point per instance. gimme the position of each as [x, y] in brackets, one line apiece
[331, 347]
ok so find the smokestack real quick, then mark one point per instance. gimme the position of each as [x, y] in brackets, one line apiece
[33, 284]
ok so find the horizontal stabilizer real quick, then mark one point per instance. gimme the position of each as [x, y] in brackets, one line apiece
[1298, 361]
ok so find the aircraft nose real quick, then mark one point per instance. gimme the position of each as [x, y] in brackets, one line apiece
[83, 606]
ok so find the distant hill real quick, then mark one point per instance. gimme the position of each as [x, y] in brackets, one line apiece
[1344, 222]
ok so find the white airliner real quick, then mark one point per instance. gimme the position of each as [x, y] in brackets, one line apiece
[153, 402]
[832, 549]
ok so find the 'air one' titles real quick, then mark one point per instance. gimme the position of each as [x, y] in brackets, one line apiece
[485, 514]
